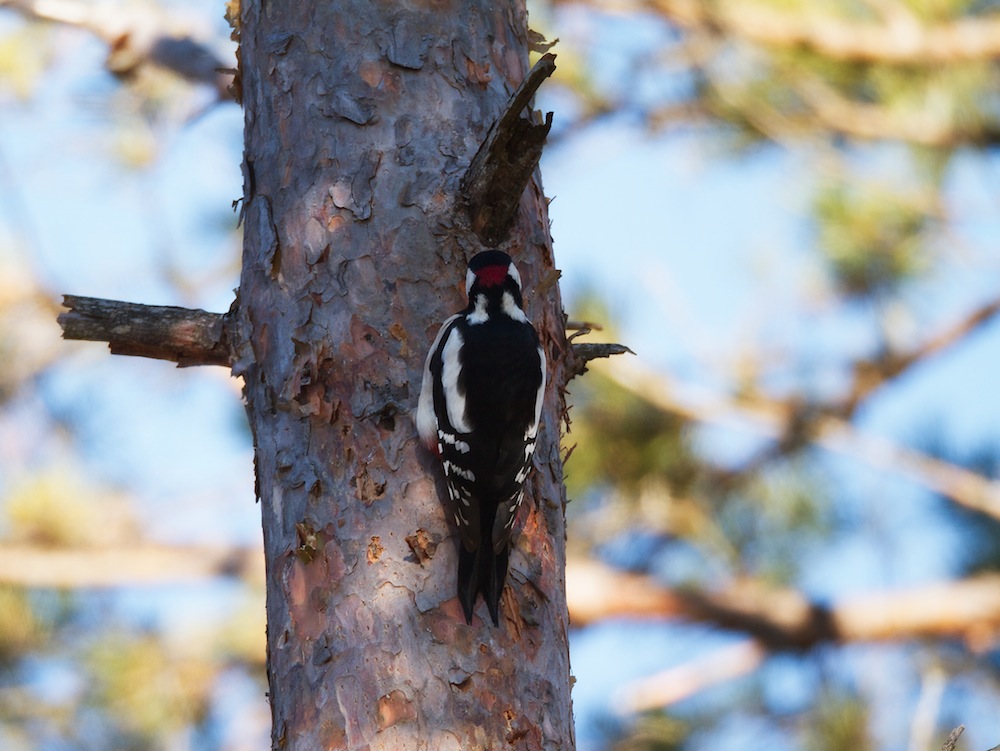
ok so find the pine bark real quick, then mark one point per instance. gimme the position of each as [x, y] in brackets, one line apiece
[361, 120]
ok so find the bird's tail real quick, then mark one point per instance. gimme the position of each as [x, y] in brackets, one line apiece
[484, 571]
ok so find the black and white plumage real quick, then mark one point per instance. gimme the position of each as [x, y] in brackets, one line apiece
[480, 403]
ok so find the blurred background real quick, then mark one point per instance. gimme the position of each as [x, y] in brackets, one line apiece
[785, 513]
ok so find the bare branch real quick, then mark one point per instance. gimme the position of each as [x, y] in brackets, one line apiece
[503, 165]
[182, 335]
[134, 39]
[923, 724]
[597, 592]
[585, 352]
[583, 326]
[899, 39]
[869, 375]
[774, 419]
[826, 110]
[689, 678]
[952, 740]
[787, 619]
[142, 564]
[933, 125]
[777, 618]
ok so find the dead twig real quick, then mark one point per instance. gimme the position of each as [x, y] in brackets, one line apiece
[182, 335]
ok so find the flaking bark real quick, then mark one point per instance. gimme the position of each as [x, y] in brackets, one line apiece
[361, 120]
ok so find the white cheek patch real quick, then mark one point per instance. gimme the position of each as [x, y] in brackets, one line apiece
[513, 274]
[454, 399]
[510, 308]
[479, 315]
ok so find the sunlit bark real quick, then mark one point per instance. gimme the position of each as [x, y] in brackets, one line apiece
[361, 121]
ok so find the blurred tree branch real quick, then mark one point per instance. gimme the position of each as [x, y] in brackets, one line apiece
[823, 108]
[897, 37]
[787, 619]
[689, 678]
[135, 37]
[795, 425]
[777, 618]
[818, 74]
[142, 564]
[870, 374]
[931, 125]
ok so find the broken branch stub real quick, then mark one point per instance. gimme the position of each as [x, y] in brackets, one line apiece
[499, 172]
[584, 352]
[185, 336]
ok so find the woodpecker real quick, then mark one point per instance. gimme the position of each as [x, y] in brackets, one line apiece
[480, 403]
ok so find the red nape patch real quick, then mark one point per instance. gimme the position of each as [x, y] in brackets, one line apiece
[491, 276]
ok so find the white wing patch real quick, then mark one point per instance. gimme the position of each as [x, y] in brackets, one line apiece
[450, 468]
[504, 522]
[532, 430]
[453, 440]
[517, 505]
[427, 423]
[530, 434]
[454, 399]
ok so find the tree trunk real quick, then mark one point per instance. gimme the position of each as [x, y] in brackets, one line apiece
[361, 120]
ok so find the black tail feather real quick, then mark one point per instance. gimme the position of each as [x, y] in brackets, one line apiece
[481, 571]
[468, 580]
[492, 576]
